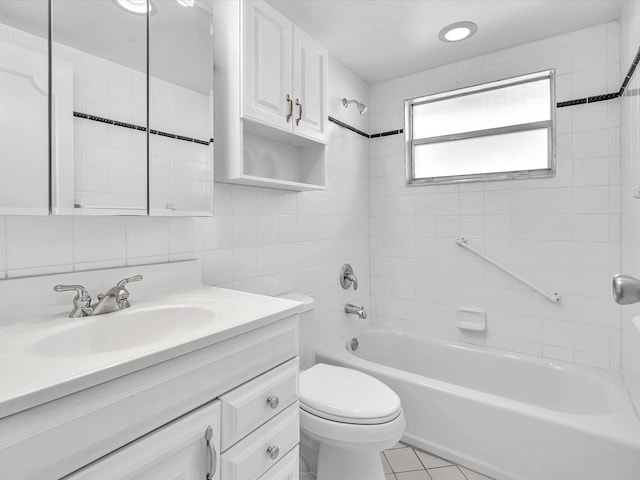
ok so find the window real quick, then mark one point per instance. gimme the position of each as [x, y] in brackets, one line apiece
[495, 131]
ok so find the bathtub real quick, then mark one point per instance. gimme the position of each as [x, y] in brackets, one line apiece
[509, 416]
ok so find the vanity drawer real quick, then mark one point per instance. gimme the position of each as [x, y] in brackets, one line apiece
[248, 406]
[285, 469]
[262, 449]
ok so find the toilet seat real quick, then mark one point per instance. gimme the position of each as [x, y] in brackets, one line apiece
[347, 396]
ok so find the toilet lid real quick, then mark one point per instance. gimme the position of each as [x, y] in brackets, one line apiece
[347, 396]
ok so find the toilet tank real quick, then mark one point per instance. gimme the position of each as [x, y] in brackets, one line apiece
[307, 352]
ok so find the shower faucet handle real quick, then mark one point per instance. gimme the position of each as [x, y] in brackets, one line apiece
[347, 277]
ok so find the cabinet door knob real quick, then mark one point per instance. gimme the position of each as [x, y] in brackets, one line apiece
[290, 114]
[273, 402]
[273, 452]
[212, 458]
[300, 117]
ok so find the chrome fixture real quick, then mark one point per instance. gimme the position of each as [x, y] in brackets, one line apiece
[355, 310]
[361, 106]
[347, 277]
[626, 289]
[354, 344]
[116, 298]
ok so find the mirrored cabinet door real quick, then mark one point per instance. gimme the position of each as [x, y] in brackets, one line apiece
[24, 107]
[181, 107]
[99, 107]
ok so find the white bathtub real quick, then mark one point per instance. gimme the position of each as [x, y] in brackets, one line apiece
[509, 416]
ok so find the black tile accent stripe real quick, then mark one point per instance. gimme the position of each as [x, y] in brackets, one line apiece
[348, 127]
[607, 96]
[360, 132]
[140, 128]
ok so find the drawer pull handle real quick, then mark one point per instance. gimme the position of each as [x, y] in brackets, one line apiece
[273, 402]
[273, 452]
[212, 458]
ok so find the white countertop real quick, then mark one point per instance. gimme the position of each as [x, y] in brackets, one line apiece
[28, 378]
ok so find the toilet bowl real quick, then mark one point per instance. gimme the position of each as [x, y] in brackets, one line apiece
[346, 419]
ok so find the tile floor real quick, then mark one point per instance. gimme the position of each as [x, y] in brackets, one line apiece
[404, 462]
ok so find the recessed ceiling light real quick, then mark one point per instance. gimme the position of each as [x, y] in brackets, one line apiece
[139, 7]
[457, 31]
[186, 3]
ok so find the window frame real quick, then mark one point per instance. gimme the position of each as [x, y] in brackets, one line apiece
[550, 124]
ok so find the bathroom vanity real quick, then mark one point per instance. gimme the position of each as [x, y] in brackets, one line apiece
[191, 382]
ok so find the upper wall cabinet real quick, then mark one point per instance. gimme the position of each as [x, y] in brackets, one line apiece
[24, 108]
[271, 103]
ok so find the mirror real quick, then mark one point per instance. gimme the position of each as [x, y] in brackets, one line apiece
[181, 107]
[132, 132]
[99, 112]
[24, 107]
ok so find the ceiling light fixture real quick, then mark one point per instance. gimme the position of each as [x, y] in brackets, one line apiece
[186, 3]
[458, 31]
[139, 7]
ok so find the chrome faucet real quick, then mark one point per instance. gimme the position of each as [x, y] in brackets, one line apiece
[355, 310]
[115, 299]
[347, 277]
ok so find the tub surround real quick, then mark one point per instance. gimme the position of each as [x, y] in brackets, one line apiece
[471, 404]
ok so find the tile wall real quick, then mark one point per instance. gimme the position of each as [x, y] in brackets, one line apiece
[630, 204]
[261, 240]
[562, 233]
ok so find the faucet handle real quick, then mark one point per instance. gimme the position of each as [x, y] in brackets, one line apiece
[124, 281]
[81, 292]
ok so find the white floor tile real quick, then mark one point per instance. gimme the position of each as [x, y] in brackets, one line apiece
[416, 475]
[431, 461]
[446, 473]
[385, 464]
[389, 476]
[471, 475]
[403, 459]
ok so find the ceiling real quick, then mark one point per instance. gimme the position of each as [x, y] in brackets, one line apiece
[384, 39]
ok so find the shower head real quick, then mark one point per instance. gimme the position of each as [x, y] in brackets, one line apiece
[361, 106]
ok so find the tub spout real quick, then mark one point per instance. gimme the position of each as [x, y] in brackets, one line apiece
[355, 310]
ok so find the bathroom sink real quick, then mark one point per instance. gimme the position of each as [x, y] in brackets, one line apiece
[126, 329]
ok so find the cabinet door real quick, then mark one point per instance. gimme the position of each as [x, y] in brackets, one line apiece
[310, 60]
[267, 66]
[177, 451]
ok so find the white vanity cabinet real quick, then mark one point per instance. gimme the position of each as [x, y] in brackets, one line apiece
[285, 74]
[152, 423]
[186, 449]
[271, 110]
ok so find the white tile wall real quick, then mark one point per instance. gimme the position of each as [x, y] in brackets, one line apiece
[630, 337]
[261, 240]
[562, 233]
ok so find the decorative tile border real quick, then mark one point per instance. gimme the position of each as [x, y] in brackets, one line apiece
[567, 103]
[140, 128]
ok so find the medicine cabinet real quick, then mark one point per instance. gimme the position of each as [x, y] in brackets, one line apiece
[128, 128]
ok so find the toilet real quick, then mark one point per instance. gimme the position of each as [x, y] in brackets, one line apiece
[346, 419]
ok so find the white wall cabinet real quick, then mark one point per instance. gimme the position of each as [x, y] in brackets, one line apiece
[271, 99]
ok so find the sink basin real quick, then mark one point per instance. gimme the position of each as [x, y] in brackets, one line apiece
[123, 330]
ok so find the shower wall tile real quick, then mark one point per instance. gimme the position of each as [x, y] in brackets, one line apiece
[561, 233]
